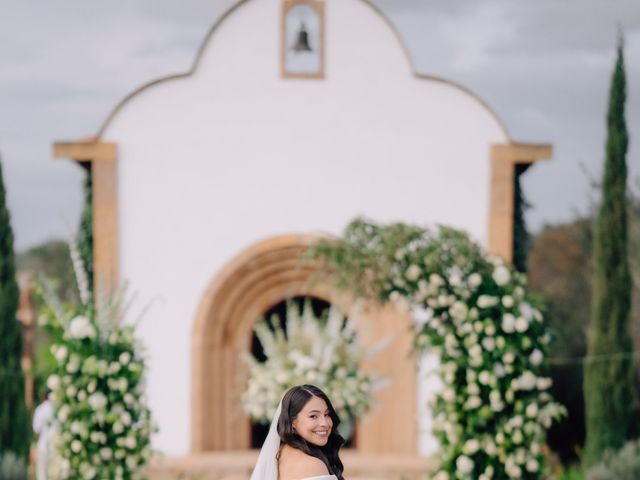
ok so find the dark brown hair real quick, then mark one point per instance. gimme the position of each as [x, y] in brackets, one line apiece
[292, 403]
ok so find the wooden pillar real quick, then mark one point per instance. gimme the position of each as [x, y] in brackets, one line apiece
[504, 159]
[102, 158]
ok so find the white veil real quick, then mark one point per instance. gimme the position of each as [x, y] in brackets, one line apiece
[267, 466]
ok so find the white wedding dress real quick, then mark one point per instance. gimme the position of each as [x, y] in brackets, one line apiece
[267, 466]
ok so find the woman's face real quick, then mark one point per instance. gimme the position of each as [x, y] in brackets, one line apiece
[313, 422]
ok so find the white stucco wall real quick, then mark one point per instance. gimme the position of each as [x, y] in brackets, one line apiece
[213, 162]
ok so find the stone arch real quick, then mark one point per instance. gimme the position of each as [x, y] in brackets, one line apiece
[246, 287]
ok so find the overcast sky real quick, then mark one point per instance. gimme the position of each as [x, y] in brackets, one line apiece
[544, 66]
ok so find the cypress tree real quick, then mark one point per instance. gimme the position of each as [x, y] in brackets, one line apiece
[14, 419]
[608, 371]
[85, 234]
[520, 233]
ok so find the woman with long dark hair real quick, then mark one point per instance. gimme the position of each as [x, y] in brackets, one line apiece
[303, 442]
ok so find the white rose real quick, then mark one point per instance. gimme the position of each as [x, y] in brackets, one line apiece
[490, 330]
[470, 446]
[508, 323]
[413, 273]
[521, 324]
[536, 357]
[76, 446]
[501, 275]
[532, 465]
[105, 453]
[473, 402]
[517, 437]
[124, 358]
[130, 443]
[484, 378]
[458, 311]
[464, 464]
[487, 301]
[436, 280]
[80, 327]
[526, 310]
[448, 395]
[474, 280]
[498, 369]
[527, 381]
[118, 428]
[532, 410]
[53, 382]
[488, 343]
[441, 475]
[97, 401]
[507, 301]
[421, 315]
[61, 353]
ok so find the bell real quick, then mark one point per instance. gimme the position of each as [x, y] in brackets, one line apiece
[302, 42]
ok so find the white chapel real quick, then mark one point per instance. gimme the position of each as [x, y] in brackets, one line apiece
[208, 186]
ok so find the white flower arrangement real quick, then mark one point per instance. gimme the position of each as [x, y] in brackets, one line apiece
[97, 389]
[491, 414]
[322, 351]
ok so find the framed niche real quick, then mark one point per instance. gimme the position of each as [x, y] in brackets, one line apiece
[302, 45]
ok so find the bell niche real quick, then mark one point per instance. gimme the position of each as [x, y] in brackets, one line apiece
[302, 45]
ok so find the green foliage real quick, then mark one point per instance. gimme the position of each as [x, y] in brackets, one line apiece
[608, 384]
[14, 421]
[520, 234]
[560, 271]
[572, 473]
[474, 312]
[50, 260]
[12, 467]
[621, 465]
[85, 232]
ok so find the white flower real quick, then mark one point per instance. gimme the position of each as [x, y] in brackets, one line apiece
[526, 310]
[80, 327]
[507, 301]
[464, 464]
[475, 351]
[106, 453]
[543, 383]
[421, 315]
[498, 369]
[53, 382]
[98, 401]
[517, 437]
[484, 378]
[441, 475]
[118, 428]
[508, 357]
[536, 357]
[532, 465]
[63, 413]
[508, 323]
[130, 442]
[527, 381]
[124, 358]
[501, 275]
[413, 273]
[436, 280]
[76, 446]
[61, 353]
[448, 395]
[521, 324]
[532, 410]
[470, 446]
[488, 343]
[458, 311]
[474, 280]
[473, 402]
[487, 301]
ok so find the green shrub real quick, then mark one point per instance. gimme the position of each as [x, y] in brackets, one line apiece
[621, 465]
[12, 467]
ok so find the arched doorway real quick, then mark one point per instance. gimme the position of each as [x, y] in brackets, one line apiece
[262, 276]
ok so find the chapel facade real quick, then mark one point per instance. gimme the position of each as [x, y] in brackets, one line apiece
[208, 186]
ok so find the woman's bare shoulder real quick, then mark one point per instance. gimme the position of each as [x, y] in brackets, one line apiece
[294, 464]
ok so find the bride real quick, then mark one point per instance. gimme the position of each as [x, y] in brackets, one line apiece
[303, 440]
